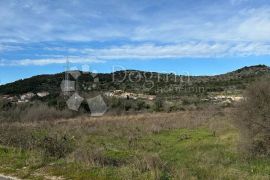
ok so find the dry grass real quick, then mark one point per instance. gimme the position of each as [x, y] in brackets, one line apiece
[178, 145]
[147, 122]
[34, 135]
[31, 112]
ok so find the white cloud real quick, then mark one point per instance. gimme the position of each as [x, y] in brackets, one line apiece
[241, 25]
[180, 50]
[192, 49]
[256, 25]
[42, 62]
[32, 21]
[187, 30]
[6, 48]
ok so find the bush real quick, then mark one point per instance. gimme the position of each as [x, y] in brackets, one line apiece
[140, 105]
[15, 136]
[34, 111]
[56, 146]
[254, 118]
[51, 144]
[158, 104]
[5, 105]
[42, 112]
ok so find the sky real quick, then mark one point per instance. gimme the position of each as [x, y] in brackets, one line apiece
[195, 37]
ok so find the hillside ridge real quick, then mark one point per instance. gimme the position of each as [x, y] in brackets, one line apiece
[121, 80]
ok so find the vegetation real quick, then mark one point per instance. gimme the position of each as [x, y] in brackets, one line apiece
[178, 135]
[254, 120]
[133, 81]
[182, 145]
[33, 111]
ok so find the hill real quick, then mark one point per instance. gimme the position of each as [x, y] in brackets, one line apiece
[133, 81]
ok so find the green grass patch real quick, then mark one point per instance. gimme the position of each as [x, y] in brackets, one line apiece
[173, 154]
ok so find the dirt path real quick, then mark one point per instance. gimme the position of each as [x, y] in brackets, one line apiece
[3, 177]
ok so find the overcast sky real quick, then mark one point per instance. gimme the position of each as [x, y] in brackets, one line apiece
[194, 36]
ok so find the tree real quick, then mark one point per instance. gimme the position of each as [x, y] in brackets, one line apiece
[254, 118]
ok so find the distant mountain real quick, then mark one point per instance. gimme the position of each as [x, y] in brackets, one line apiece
[138, 81]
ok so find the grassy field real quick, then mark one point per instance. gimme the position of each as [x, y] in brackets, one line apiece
[181, 145]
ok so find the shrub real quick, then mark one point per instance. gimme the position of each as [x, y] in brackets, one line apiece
[254, 118]
[42, 112]
[5, 105]
[158, 104]
[140, 105]
[34, 111]
[90, 156]
[150, 162]
[56, 146]
[15, 136]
